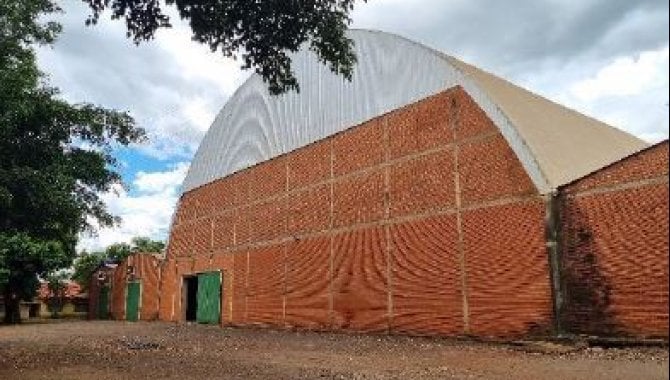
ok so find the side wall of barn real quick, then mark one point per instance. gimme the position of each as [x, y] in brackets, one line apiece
[420, 221]
[147, 271]
[615, 248]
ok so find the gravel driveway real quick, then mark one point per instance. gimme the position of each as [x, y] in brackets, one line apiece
[121, 350]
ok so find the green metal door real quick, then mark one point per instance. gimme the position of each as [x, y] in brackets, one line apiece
[103, 303]
[133, 301]
[209, 297]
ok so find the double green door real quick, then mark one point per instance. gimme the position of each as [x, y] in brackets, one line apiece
[209, 298]
[133, 301]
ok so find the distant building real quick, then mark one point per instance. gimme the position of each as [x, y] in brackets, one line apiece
[127, 290]
[72, 304]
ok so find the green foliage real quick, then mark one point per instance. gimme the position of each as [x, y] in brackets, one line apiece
[55, 158]
[146, 245]
[57, 287]
[22, 257]
[264, 30]
[118, 251]
[84, 265]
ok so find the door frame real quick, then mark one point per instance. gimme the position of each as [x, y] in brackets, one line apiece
[139, 300]
[184, 291]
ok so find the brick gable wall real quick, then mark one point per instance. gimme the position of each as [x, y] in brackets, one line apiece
[420, 221]
[615, 248]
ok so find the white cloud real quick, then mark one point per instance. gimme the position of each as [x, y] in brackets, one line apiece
[625, 76]
[171, 85]
[147, 212]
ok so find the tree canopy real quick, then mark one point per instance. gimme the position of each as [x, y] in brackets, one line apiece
[55, 158]
[262, 32]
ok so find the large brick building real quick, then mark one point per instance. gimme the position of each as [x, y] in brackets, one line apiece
[425, 196]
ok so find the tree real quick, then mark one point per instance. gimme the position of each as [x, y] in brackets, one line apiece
[118, 251]
[146, 245]
[265, 30]
[84, 266]
[56, 283]
[55, 158]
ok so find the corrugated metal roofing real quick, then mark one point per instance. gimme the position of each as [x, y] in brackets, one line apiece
[556, 145]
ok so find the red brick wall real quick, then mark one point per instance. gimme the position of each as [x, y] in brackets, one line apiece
[147, 271]
[382, 227]
[615, 248]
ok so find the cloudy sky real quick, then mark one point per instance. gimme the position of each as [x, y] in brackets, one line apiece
[606, 58]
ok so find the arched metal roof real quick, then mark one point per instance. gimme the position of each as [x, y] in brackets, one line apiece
[555, 145]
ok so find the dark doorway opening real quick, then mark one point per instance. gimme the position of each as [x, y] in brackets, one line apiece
[34, 310]
[191, 301]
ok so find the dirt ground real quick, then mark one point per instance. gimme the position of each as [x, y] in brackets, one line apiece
[122, 350]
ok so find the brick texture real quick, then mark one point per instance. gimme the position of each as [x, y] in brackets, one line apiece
[489, 171]
[265, 285]
[358, 199]
[426, 277]
[360, 280]
[431, 176]
[507, 270]
[308, 283]
[148, 272]
[423, 221]
[615, 248]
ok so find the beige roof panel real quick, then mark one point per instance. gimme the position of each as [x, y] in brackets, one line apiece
[566, 144]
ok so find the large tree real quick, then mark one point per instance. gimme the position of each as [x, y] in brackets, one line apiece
[262, 32]
[55, 158]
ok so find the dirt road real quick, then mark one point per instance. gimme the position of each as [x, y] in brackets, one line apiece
[120, 350]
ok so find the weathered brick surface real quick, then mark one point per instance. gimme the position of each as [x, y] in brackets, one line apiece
[267, 220]
[117, 306]
[433, 121]
[615, 248]
[420, 127]
[489, 170]
[309, 210]
[167, 293]
[359, 147]
[358, 199]
[426, 277]
[360, 280]
[265, 285]
[431, 176]
[507, 270]
[648, 164]
[308, 283]
[472, 121]
[309, 165]
[223, 230]
[201, 238]
[402, 133]
[239, 296]
[268, 179]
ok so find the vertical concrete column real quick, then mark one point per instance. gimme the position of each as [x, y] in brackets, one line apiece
[454, 120]
[552, 238]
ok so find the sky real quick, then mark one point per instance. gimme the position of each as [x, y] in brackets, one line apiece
[605, 58]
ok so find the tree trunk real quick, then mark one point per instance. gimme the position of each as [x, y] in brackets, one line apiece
[12, 308]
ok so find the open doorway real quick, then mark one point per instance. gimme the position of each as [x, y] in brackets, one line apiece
[191, 297]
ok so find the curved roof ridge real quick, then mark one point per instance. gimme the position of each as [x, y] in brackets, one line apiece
[553, 142]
